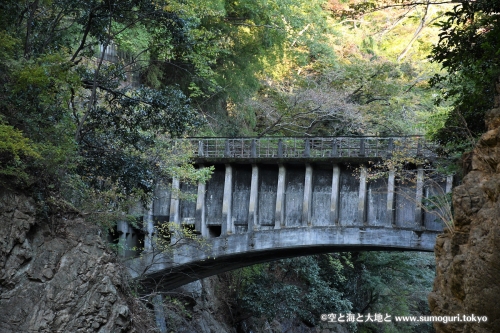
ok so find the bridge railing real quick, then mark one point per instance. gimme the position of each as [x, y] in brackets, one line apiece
[310, 147]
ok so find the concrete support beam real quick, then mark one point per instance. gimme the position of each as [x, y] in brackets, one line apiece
[363, 186]
[279, 219]
[254, 199]
[307, 203]
[391, 198]
[122, 229]
[159, 311]
[175, 202]
[227, 200]
[149, 228]
[334, 206]
[200, 218]
[418, 197]
[449, 183]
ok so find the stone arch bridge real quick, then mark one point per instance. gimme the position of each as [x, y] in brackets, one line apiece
[272, 198]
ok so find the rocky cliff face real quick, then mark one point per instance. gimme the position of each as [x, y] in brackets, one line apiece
[58, 276]
[468, 261]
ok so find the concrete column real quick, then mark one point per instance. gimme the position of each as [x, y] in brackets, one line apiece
[161, 323]
[227, 221]
[175, 205]
[175, 202]
[334, 206]
[149, 228]
[418, 197]
[253, 223]
[123, 231]
[449, 183]
[391, 200]
[307, 203]
[199, 218]
[279, 219]
[362, 195]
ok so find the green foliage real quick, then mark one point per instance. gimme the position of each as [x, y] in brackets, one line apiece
[93, 135]
[468, 51]
[15, 151]
[396, 283]
[292, 288]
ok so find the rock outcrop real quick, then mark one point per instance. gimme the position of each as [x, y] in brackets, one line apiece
[57, 276]
[468, 260]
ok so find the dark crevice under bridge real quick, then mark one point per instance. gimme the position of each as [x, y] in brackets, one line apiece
[272, 198]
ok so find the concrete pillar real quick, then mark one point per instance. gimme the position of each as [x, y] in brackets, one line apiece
[175, 206]
[227, 221]
[160, 319]
[391, 199]
[334, 206]
[279, 219]
[175, 202]
[307, 203]
[149, 228]
[449, 183]
[253, 223]
[362, 195]
[418, 197]
[200, 219]
[123, 230]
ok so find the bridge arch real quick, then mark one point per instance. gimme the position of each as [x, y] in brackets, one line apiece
[191, 262]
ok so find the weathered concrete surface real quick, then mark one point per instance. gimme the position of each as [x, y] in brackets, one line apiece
[468, 260]
[57, 279]
[191, 262]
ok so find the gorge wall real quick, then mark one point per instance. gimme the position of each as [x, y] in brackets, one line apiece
[58, 276]
[468, 260]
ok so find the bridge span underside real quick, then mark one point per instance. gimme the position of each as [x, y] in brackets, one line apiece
[192, 261]
[268, 202]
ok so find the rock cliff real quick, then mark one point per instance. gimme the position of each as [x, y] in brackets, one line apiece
[468, 260]
[58, 276]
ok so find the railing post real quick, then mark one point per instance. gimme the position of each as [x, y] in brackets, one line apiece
[253, 149]
[200, 148]
[419, 147]
[362, 147]
[335, 148]
[227, 150]
[280, 148]
[307, 148]
[390, 147]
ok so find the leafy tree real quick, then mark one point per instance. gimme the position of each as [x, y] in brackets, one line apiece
[468, 51]
[67, 89]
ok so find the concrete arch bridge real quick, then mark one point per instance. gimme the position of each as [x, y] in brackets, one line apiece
[272, 198]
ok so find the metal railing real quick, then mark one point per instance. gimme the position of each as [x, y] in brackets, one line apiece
[310, 147]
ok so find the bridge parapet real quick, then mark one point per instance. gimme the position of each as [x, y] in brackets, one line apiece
[310, 147]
